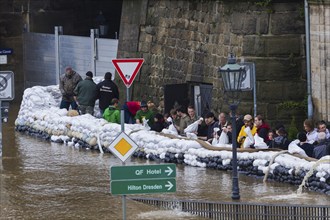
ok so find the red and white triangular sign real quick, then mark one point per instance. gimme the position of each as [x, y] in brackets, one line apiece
[128, 69]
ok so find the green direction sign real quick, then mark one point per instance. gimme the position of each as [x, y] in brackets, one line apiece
[143, 172]
[123, 187]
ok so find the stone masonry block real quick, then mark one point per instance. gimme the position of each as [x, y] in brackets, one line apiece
[287, 23]
[277, 69]
[271, 45]
[244, 23]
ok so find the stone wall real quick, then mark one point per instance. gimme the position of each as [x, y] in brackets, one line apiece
[320, 58]
[187, 41]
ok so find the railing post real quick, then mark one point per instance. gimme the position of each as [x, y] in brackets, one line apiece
[94, 35]
[58, 31]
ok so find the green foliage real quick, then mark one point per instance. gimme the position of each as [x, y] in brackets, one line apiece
[289, 105]
[293, 130]
[301, 11]
[265, 4]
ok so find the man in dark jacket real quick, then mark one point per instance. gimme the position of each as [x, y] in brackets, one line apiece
[106, 91]
[85, 94]
[68, 82]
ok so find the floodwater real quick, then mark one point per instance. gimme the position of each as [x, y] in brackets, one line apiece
[43, 180]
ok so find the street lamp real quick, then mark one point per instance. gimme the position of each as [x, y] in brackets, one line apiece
[232, 76]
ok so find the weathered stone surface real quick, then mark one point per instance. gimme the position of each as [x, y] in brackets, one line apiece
[254, 23]
[287, 23]
[278, 69]
[271, 45]
[279, 91]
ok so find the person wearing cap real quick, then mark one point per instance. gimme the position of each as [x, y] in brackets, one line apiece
[106, 91]
[68, 82]
[112, 113]
[144, 113]
[85, 94]
[248, 122]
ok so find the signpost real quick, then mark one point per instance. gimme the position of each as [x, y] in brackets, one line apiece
[6, 94]
[143, 186]
[143, 179]
[3, 54]
[6, 85]
[127, 70]
[123, 146]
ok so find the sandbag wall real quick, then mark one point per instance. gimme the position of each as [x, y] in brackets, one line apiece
[41, 117]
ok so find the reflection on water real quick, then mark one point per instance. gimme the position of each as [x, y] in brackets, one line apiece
[41, 180]
[170, 214]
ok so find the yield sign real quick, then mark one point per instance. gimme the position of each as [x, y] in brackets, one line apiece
[128, 69]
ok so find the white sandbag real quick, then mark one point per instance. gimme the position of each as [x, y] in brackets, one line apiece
[170, 130]
[145, 123]
[214, 141]
[247, 143]
[249, 134]
[192, 128]
[223, 139]
[294, 148]
[191, 135]
[259, 142]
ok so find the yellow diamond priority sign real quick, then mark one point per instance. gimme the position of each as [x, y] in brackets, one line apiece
[123, 146]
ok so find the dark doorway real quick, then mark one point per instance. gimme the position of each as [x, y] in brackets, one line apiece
[175, 95]
[196, 94]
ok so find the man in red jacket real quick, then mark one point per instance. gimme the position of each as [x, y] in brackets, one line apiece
[262, 128]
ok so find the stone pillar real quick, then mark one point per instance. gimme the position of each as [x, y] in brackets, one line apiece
[320, 58]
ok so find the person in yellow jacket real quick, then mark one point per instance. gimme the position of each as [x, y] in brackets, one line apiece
[248, 121]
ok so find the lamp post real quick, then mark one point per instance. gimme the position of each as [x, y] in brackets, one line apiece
[232, 76]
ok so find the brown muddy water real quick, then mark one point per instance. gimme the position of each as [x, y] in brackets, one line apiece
[43, 180]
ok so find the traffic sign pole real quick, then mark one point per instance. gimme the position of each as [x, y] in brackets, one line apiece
[0, 130]
[123, 199]
[6, 91]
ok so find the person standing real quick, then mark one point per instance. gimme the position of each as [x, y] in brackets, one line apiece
[106, 91]
[112, 114]
[68, 82]
[184, 120]
[262, 128]
[192, 114]
[85, 94]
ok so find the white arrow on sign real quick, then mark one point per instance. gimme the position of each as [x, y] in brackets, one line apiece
[169, 171]
[169, 185]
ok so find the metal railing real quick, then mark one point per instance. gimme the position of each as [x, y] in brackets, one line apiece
[242, 211]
